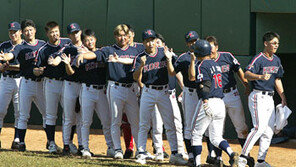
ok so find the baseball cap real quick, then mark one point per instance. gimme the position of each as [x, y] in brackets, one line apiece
[14, 26]
[72, 28]
[148, 34]
[191, 35]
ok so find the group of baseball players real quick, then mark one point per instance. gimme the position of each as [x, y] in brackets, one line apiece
[131, 86]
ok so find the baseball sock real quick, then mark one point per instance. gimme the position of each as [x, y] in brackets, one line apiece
[22, 133]
[225, 147]
[72, 132]
[218, 152]
[210, 146]
[50, 130]
[241, 142]
[196, 150]
[188, 145]
[260, 160]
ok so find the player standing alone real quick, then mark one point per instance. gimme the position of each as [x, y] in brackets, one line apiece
[265, 72]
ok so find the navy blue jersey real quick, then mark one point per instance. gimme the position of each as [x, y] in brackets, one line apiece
[155, 70]
[182, 65]
[172, 82]
[209, 70]
[52, 50]
[73, 51]
[139, 46]
[260, 64]
[6, 47]
[229, 65]
[94, 72]
[116, 71]
[26, 54]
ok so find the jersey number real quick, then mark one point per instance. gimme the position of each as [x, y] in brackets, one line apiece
[218, 80]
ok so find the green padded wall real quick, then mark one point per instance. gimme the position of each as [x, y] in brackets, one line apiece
[9, 12]
[88, 14]
[283, 24]
[229, 21]
[273, 6]
[138, 13]
[173, 18]
[41, 12]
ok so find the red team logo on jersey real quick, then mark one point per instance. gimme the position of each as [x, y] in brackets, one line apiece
[270, 70]
[225, 68]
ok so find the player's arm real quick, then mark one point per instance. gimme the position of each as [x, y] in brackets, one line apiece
[54, 61]
[169, 57]
[179, 77]
[244, 81]
[251, 76]
[280, 90]
[87, 56]
[115, 59]
[191, 70]
[13, 67]
[67, 59]
[137, 75]
[6, 56]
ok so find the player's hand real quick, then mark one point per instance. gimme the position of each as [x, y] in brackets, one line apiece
[180, 97]
[113, 58]
[143, 60]
[265, 77]
[168, 53]
[207, 109]
[82, 49]
[50, 60]
[79, 60]
[66, 59]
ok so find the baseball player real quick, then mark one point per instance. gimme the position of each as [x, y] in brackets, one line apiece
[264, 72]
[10, 80]
[31, 88]
[229, 66]
[53, 82]
[93, 96]
[190, 98]
[151, 70]
[121, 92]
[210, 111]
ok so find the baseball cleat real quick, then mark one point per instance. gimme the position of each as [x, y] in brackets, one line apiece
[118, 154]
[250, 161]
[159, 157]
[66, 150]
[210, 160]
[128, 154]
[166, 155]
[234, 159]
[73, 148]
[15, 145]
[22, 147]
[149, 156]
[177, 159]
[52, 148]
[242, 162]
[141, 159]
[262, 164]
[185, 156]
[110, 152]
[86, 154]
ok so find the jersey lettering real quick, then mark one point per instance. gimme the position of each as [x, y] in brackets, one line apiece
[155, 66]
[270, 70]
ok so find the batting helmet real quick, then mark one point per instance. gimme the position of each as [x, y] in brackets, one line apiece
[202, 48]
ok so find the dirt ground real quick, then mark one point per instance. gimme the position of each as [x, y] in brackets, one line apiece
[280, 155]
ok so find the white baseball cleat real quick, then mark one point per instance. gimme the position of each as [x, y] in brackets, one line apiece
[177, 159]
[263, 164]
[185, 156]
[149, 156]
[159, 157]
[73, 148]
[86, 154]
[118, 154]
[242, 162]
[52, 148]
[141, 159]
[110, 152]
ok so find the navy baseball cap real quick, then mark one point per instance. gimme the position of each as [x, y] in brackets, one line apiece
[191, 35]
[14, 26]
[72, 28]
[148, 34]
